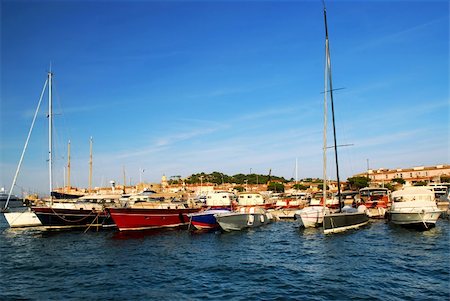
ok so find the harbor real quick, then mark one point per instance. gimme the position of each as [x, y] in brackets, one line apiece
[198, 111]
[275, 262]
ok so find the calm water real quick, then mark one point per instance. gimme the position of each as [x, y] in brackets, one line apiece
[275, 262]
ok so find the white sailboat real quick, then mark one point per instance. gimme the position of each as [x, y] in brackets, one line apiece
[24, 217]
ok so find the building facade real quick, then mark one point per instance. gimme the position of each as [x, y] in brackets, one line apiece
[429, 174]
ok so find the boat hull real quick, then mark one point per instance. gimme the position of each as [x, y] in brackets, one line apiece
[59, 218]
[206, 220]
[377, 212]
[310, 217]
[128, 219]
[235, 221]
[22, 219]
[422, 220]
[340, 222]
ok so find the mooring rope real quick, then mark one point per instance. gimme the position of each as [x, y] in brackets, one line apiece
[71, 221]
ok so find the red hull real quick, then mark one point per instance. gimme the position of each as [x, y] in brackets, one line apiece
[140, 219]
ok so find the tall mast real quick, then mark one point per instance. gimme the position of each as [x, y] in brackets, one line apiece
[90, 165]
[68, 165]
[50, 134]
[328, 67]
[124, 180]
[25, 146]
[325, 114]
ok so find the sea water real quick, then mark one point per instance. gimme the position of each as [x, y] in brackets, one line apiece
[275, 262]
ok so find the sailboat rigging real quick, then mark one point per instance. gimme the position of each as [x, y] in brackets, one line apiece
[347, 217]
[315, 216]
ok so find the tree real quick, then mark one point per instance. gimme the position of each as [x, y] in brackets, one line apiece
[275, 187]
[356, 183]
[389, 186]
[300, 187]
[239, 188]
[445, 179]
[399, 180]
[420, 183]
[320, 186]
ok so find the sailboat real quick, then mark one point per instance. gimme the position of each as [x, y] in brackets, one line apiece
[347, 217]
[22, 217]
[60, 214]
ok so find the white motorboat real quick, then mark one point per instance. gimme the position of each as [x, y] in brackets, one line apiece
[414, 207]
[310, 217]
[245, 217]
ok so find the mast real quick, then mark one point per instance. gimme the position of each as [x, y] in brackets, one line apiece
[296, 174]
[90, 165]
[50, 134]
[328, 68]
[68, 165]
[325, 114]
[25, 147]
[124, 180]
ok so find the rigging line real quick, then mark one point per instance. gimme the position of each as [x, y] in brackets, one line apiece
[26, 144]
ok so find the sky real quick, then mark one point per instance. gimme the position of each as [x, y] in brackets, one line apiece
[182, 87]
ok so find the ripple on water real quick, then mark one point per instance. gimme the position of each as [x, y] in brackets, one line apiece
[275, 262]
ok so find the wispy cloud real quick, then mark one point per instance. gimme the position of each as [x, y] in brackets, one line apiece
[399, 36]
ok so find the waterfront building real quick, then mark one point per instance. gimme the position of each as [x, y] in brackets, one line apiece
[428, 174]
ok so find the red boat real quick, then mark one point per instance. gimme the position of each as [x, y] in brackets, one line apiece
[150, 218]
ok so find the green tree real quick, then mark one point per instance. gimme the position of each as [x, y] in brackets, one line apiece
[420, 183]
[356, 183]
[320, 186]
[445, 179]
[399, 180]
[239, 188]
[300, 187]
[389, 186]
[275, 187]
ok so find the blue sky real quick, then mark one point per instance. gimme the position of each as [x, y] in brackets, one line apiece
[181, 87]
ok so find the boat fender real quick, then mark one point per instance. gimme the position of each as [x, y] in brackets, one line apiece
[261, 218]
[362, 208]
[250, 220]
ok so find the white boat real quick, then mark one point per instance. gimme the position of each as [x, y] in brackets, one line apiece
[376, 200]
[251, 199]
[310, 217]
[345, 218]
[220, 199]
[12, 200]
[414, 207]
[24, 217]
[21, 219]
[244, 218]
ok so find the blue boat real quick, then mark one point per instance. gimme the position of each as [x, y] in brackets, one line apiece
[205, 220]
